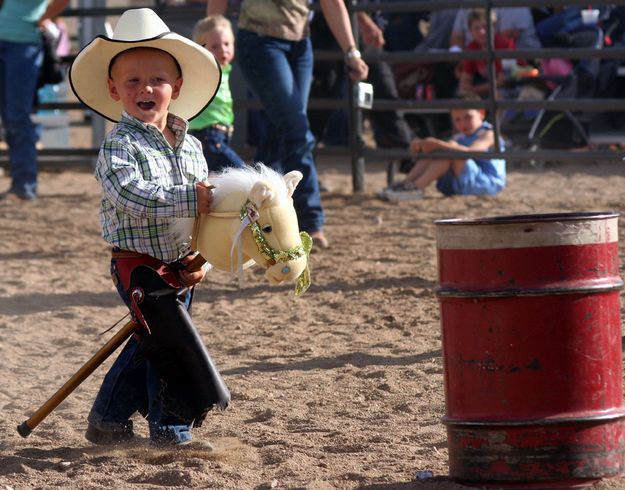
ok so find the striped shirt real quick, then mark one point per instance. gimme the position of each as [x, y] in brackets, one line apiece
[147, 186]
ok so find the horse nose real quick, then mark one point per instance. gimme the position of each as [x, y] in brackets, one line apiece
[281, 272]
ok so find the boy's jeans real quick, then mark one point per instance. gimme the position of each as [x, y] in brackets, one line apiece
[129, 386]
[279, 73]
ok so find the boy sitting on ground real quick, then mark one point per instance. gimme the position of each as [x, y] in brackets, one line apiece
[454, 176]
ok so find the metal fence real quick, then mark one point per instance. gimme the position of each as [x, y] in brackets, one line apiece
[92, 14]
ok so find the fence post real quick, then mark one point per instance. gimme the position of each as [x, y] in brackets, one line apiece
[492, 73]
[355, 119]
[90, 27]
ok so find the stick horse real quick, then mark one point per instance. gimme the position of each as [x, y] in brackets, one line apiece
[253, 208]
[253, 222]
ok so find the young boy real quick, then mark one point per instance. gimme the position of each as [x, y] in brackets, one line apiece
[462, 176]
[213, 127]
[474, 76]
[152, 174]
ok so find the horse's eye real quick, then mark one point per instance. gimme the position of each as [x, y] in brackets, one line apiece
[267, 229]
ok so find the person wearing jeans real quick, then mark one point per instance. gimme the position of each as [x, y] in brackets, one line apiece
[270, 73]
[21, 56]
[275, 56]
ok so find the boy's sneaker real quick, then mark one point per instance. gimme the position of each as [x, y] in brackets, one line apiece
[171, 435]
[177, 437]
[403, 195]
[109, 433]
[394, 187]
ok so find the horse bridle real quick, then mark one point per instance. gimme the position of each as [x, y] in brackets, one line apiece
[249, 216]
[273, 256]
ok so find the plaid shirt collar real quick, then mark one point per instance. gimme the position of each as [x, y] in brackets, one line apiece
[178, 125]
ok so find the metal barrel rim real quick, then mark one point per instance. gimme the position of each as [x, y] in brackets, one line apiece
[529, 218]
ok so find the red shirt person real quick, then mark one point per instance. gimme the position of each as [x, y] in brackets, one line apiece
[474, 74]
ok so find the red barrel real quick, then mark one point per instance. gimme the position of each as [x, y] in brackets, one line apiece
[531, 333]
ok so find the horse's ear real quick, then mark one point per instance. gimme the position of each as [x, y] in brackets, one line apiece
[260, 193]
[292, 179]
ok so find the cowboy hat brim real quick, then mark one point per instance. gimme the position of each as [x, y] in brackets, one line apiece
[201, 74]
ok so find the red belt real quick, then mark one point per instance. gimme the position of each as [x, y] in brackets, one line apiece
[129, 260]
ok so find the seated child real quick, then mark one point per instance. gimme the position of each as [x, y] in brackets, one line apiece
[213, 126]
[458, 176]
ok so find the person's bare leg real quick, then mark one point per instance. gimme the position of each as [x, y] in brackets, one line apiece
[457, 166]
[415, 172]
[433, 170]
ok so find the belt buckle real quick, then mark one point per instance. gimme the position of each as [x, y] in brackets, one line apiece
[224, 128]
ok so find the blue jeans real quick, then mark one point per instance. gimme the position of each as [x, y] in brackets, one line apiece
[279, 73]
[20, 64]
[567, 20]
[216, 148]
[130, 385]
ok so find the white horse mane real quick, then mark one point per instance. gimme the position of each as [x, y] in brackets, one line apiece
[233, 180]
[243, 179]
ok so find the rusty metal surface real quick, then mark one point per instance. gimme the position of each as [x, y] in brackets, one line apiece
[565, 456]
[531, 334]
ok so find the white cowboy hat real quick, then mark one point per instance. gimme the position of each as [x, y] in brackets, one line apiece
[142, 28]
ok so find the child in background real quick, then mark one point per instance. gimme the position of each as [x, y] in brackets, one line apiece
[461, 176]
[474, 76]
[213, 127]
[153, 174]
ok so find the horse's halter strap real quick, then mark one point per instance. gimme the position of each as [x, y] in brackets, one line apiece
[272, 255]
[249, 219]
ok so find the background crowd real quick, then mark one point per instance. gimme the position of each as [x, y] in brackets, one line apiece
[454, 30]
[515, 28]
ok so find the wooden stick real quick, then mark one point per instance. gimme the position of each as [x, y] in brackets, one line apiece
[26, 427]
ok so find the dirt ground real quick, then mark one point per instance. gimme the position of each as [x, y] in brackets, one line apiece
[341, 388]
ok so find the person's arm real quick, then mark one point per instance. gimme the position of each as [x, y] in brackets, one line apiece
[465, 86]
[189, 278]
[337, 19]
[499, 79]
[465, 83]
[511, 34]
[465, 79]
[430, 144]
[457, 39]
[484, 142]
[216, 7]
[55, 7]
[370, 32]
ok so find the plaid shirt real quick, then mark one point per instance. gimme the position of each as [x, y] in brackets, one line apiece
[148, 185]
